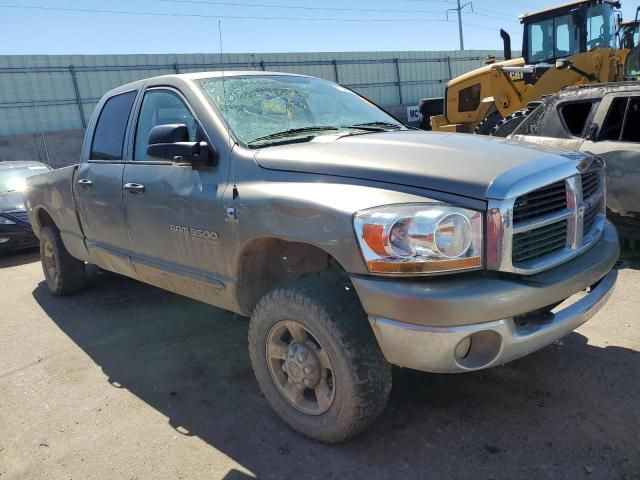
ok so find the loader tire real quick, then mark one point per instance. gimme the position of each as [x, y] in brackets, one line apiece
[489, 122]
[507, 125]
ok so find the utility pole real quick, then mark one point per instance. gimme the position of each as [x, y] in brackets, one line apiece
[459, 11]
[460, 25]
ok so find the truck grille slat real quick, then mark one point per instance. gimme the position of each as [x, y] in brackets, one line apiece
[539, 242]
[544, 201]
[590, 184]
[590, 217]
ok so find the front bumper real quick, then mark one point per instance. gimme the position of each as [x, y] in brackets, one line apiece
[467, 323]
[17, 237]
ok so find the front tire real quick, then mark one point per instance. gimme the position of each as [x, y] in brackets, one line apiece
[317, 361]
[64, 274]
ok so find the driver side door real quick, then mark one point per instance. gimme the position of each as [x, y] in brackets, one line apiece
[173, 211]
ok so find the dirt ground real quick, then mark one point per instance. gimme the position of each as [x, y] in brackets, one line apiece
[125, 381]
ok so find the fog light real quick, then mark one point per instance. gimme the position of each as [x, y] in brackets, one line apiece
[4, 240]
[462, 349]
[479, 349]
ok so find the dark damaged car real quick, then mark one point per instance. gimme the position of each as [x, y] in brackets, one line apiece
[602, 119]
[15, 228]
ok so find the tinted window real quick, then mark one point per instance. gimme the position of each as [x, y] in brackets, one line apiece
[469, 98]
[108, 138]
[575, 116]
[161, 107]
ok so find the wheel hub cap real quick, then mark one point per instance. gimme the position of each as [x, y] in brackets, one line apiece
[302, 365]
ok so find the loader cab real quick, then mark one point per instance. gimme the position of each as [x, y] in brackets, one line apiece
[629, 34]
[564, 31]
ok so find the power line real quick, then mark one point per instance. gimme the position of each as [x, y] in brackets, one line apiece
[299, 7]
[238, 17]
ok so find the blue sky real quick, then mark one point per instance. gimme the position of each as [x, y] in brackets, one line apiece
[182, 26]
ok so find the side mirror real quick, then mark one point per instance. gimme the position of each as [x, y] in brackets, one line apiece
[618, 21]
[592, 133]
[171, 141]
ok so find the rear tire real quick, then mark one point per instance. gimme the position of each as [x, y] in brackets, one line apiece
[318, 325]
[488, 123]
[507, 125]
[64, 274]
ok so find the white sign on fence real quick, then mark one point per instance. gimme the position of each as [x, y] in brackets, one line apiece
[413, 114]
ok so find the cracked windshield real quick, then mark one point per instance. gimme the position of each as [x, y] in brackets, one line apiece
[273, 109]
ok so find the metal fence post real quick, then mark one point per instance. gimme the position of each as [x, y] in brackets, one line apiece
[262, 65]
[399, 82]
[449, 66]
[78, 99]
[335, 70]
[176, 67]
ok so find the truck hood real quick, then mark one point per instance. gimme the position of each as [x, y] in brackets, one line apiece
[11, 201]
[459, 164]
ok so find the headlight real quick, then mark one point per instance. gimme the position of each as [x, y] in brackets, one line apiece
[6, 221]
[419, 238]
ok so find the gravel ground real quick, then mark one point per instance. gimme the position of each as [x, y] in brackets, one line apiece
[125, 381]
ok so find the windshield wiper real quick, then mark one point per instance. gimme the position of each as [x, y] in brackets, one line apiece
[292, 132]
[377, 126]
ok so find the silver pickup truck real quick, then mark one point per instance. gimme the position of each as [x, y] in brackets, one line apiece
[352, 241]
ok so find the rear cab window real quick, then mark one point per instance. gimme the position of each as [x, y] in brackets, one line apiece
[108, 137]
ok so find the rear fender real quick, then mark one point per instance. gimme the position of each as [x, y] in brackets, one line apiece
[50, 199]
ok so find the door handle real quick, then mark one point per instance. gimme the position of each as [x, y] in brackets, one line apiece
[134, 187]
[84, 182]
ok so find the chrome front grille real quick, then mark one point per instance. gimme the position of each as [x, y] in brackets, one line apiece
[543, 227]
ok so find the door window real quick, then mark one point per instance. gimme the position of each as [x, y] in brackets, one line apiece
[622, 120]
[108, 138]
[161, 107]
[540, 40]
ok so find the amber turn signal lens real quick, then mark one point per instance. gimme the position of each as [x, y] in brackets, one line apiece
[424, 267]
[372, 235]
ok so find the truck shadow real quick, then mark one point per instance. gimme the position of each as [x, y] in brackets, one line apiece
[565, 411]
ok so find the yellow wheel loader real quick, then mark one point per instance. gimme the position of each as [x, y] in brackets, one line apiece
[566, 45]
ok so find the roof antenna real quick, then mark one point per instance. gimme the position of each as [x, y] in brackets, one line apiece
[224, 99]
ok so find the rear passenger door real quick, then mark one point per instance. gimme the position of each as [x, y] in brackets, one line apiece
[99, 186]
[174, 215]
[618, 142]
